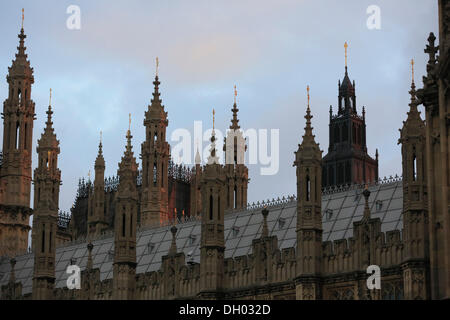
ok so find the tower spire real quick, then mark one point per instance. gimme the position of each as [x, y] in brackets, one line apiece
[308, 117]
[213, 159]
[235, 110]
[346, 47]
[157, 66]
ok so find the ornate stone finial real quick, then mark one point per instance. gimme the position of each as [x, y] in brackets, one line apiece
[412, 70]
[307, 90]
[89, 174]
[157, 66]
[50, 103]
[12, 276]
[214, 119]
[129, 122]
[90, 246]
[265, 230]
[346, 47]
[308, 117]
[101, 136]
[366, 194]
[173, 246]
[431, 49]
[235, 94]
[23, 16]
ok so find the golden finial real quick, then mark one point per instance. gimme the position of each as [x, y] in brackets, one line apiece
[345, 46]
[412, 69]
[50, 103]
[101, 136]
[157, 65]
[307, 90]
[23, 16]
[235, 94]
[129, 122]
[214, 119]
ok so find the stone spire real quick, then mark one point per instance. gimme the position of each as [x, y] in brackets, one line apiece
[212, 158]
[100, 161]
[308, 160]
[198, 158]
[47, 181]
[155, 155]
[125, 225]
[235, 110]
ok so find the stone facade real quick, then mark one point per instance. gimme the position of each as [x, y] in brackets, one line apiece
[414, 259]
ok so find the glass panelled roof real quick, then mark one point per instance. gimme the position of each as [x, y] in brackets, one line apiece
[339, 211]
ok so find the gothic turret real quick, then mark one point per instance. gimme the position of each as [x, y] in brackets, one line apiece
[124, 269]
[96, 217]
[47, 180]
[155, 161]
[212, 229]
[236, 170]
[15, 170]
[415, 215]
[308, 160]
[347, 161]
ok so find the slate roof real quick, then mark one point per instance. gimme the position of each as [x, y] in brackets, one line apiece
[340, 210]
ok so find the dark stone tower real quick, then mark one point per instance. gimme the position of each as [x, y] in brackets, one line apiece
[435, 96]
[125, 225]
[97, 210]
[236, 170]
[415, 215]
[347, 160]
[47, 179]
[308, 160]
[15, 171]
[155, 161]
[212, 247]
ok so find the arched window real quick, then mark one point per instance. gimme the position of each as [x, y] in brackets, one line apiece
[43, 238]
[308, 188]
[162, 175]
[123, 223]
[414, 168]
[218, 207]
[155, 173]
[16, 142]
[131, 224]
[19, 95]
[25, 138]
[211, 206]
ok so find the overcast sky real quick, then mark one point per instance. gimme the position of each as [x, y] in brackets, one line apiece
[270, 49]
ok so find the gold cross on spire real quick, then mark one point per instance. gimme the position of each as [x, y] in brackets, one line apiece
[50, 103]
[23, 16]
[412, 69]
[345, 46]
[157, 65]
[214, 119]
[235, 94]
[307, 90]
[129, 122]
